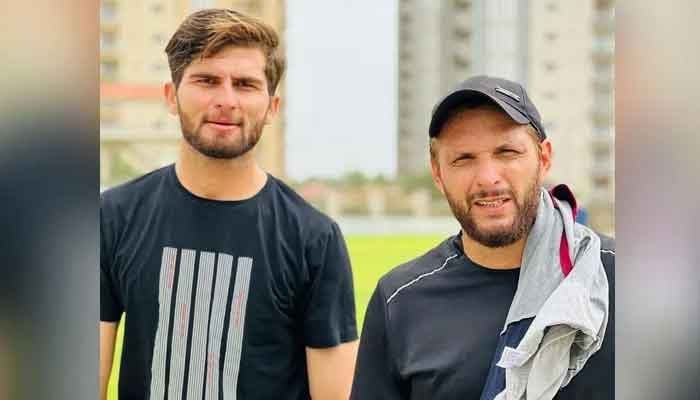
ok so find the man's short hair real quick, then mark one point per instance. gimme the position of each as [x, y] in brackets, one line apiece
[206, 32]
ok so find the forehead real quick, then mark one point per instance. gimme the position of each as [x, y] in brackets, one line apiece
[231, 60]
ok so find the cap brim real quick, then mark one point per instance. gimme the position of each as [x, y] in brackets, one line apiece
[468, 96]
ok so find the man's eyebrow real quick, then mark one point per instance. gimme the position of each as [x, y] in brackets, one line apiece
[202, 75]
[463, 154]
[245, 78]
[508, 145]
[250, 79]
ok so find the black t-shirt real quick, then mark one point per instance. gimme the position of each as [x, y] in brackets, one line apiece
[221, 297]
[432, 327]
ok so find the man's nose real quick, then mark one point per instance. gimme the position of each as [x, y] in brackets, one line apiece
[226, 97]
[488, 173]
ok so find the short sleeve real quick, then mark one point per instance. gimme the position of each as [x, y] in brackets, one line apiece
[375, 373]
[329, 317]
[111, 307]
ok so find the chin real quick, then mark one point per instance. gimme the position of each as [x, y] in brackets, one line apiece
[496, 226]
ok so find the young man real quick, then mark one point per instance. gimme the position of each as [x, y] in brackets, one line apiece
[233, 286]
[488, 313]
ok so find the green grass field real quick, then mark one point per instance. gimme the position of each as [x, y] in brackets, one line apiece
[371, 256]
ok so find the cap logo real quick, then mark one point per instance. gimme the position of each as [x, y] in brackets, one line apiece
[508, 93]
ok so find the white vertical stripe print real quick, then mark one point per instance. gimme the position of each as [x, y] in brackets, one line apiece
[160, 348]
[181, 324]
[218, 313]
[234, 343]
[198, 355]
[207, 329]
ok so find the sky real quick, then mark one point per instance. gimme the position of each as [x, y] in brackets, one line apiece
[341, 88]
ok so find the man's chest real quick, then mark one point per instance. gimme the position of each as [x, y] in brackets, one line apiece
[446, 335]
[450, 357]
[187, 279]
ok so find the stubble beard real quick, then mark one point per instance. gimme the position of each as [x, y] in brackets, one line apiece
[245, 141]
[523, 220]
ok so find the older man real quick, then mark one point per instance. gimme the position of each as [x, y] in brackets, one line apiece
[517, 304]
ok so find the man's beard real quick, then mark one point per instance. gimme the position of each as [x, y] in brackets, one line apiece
[246, 139]
[525, 214]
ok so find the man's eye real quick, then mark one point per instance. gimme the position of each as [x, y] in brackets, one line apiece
[244, 84]
[462, 160]
[206, 81]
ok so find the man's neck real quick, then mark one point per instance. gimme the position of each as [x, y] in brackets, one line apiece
[239, 178]
[508, 257]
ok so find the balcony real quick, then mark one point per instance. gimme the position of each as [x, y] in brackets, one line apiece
[601, 196]
[602, 114]
[604, 50]
[602, 143]
[604, 23]
[462, 4]
[109, 69]
[109, 51]
[603, 83]
[108, 16]
[603, 173]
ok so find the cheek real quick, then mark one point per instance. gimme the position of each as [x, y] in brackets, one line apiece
[254, 104]
[193, 102]
[457, 182]
[522, 178]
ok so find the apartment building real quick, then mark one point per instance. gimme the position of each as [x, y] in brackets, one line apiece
[563, 52]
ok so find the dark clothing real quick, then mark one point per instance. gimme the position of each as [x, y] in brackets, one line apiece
[221, 297]
[432, 327]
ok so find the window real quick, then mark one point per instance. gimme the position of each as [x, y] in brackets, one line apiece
[601, 181]
[550, 66]
[109, 70]
[549, 95]
[460, 61]
[109, 113]
[158, 66]
[461, 33]
[158, 38]
[157, 8]
[404, 72]
[108, 12]
[462, 4]
[199, 4]
[108, 40]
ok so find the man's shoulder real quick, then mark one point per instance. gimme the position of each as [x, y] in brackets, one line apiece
[298, 211]
[431, 262]
[607, 253]
[607, 243]
[132, 191]
[607, 256]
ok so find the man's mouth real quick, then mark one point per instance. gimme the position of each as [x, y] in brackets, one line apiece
[492, 203]
[224, 123]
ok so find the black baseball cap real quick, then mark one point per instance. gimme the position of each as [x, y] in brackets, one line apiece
[508, 95]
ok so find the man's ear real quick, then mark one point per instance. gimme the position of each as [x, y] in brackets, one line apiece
[435, 172]
[170, 93]
[545, 158]
[274, 109]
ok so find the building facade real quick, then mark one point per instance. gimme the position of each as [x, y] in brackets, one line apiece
[563, 52]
